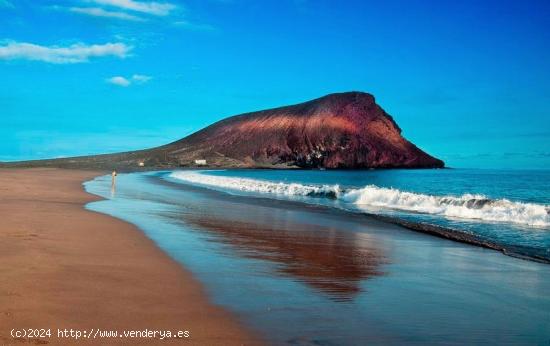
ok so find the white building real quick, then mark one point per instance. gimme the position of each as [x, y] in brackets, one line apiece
[200, 162]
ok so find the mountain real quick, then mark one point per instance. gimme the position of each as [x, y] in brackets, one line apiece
[344, 130]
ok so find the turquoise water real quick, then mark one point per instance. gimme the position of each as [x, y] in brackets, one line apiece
[309, 274]
[506, 207]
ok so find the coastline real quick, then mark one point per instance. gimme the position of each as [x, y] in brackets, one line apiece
[461, 237]
[317, 275]
[457, 230]
[66, 267]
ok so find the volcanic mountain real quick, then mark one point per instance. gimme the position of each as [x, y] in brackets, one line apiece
[344, 130]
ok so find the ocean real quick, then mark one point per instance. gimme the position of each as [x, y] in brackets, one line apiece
[303, 257]
[510, 208]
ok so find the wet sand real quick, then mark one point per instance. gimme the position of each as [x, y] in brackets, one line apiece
[66, 267]
[307, 274]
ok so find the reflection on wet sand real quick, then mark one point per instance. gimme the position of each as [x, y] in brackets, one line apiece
[331, 261]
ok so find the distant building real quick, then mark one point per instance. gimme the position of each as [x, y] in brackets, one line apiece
[200, 162]
[141, 164]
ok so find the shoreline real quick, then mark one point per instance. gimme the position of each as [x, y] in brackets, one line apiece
[67, 267]
[454, 234]
[463, 237]
[344, 275]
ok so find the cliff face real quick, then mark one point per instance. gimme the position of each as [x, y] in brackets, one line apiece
[346, 130]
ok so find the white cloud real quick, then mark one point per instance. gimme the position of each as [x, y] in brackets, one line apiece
[99, 12]
[119, 80]
[75, 53]
[124, 82]
[149, 7]
[140, 78]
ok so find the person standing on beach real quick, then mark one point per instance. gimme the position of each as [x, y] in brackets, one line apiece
[113, 180]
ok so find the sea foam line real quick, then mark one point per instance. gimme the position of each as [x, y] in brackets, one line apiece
[467, 206]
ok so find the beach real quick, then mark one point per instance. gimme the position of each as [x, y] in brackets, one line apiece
[64, 267]
[286, 173]
[155, 254]
[312, 274]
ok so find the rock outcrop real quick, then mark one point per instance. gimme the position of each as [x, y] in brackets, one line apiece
[345, 130]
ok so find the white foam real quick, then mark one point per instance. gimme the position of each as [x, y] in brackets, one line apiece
[260, 186]
[467, 206]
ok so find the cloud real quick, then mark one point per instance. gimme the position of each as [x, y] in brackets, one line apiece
[99, 12]
[120, 81]
[76, 53]
[125, 82]
[140, 79]
[149, 7]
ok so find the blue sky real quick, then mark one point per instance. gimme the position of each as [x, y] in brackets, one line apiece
[468, 81]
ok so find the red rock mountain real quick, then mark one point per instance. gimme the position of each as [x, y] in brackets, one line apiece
[344, 130]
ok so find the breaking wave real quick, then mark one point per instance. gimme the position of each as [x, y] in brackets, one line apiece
[467, 206]
[259, 186]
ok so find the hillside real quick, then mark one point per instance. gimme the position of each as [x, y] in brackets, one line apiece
[344, 130]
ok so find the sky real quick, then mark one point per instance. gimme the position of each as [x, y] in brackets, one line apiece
[467, 81]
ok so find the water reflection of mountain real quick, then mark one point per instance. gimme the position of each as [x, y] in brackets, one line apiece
[328, 259]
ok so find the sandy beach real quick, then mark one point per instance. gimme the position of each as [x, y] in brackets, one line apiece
[64, 267]
[231, 269]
